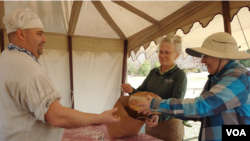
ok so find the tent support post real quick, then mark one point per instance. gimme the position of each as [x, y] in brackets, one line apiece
[124, 67]
[71, 71]
[226, 16]
[1, 40]
[242, 31]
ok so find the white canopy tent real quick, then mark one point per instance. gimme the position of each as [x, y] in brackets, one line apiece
[88, 42]
[240, 28]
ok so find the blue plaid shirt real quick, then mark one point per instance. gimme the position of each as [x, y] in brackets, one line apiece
[225, 100]
[15, 47]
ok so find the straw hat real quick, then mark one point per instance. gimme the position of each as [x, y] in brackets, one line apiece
[219, 45]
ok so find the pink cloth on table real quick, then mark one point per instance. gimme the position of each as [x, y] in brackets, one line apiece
[87, 134]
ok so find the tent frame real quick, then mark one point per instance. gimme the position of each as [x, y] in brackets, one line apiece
[226, 16]
[124, 65]
[1, 40]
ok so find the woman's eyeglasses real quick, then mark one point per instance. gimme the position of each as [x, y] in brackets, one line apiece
[204, 56]
[164, 52]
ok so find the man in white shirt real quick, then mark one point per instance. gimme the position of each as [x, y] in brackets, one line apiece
[29, 104]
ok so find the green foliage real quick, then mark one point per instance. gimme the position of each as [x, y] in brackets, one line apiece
[245, 63]
[157, 64]
[193, 70]
[145, 68]
[199, 70]
[131, 69]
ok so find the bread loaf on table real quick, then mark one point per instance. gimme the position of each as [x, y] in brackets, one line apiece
[139, 97]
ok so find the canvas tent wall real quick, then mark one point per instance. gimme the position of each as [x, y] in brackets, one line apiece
[91, 35]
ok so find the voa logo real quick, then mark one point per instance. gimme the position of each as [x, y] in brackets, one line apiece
[236, 132]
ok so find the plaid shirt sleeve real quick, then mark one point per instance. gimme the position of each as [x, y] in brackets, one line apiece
[230, 92]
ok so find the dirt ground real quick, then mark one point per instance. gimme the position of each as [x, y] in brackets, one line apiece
[192, 133]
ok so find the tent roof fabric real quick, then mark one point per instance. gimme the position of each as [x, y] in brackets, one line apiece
[197, 34]
[139, 22]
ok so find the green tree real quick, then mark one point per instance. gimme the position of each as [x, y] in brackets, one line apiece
[157, 64]
[131, 69]
[145, 68]
[245, 63]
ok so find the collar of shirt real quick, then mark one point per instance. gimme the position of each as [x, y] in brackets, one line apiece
[215, 78]
[168, 70]
[229, 65]
[15, 47]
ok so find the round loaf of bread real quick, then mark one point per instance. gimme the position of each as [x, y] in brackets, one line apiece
[139, 97]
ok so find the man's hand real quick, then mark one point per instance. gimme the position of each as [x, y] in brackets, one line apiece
[145, 106]
[108, 118]
[153, 121]
[127, 88]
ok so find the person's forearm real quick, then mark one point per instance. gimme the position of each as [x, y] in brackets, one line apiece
[72, 118]
[60, 116]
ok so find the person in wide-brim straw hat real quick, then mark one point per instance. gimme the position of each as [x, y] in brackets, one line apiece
[225, 97]
[217, 50]
[219, 45]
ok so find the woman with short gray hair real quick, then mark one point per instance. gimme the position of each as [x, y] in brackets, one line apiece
[167, 81]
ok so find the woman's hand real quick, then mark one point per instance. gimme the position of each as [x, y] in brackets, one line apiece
[127, 88]
[153, 121]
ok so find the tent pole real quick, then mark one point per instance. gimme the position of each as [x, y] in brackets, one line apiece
[226, 16]
[1, 40]
[71, 71]
[242, 31]
[124, 67]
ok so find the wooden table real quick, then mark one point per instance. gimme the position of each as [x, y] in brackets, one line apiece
[87, 134]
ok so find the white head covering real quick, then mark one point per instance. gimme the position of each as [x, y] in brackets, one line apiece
[219, 45]
[23, 19]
